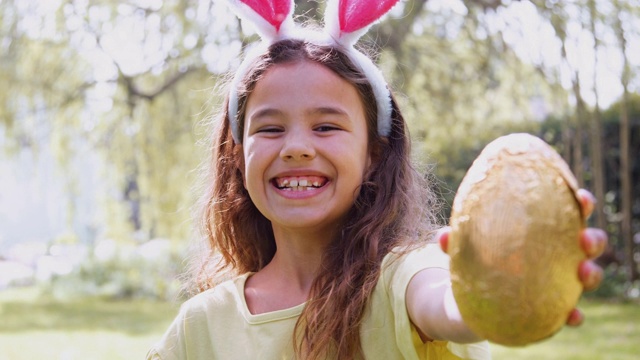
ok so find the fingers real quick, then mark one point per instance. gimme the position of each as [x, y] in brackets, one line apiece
[575, 318]
[593, 242]
[443, 238]
[590, 275]
[587, 201]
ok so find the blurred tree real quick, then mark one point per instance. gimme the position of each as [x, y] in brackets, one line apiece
[622, 251]
[126, 79]
[134, 80]
[626, 192]
[595, 145]
[120, 78]
[464, 87]
[557, 18]
[608, 23]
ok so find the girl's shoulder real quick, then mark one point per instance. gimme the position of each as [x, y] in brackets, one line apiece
[222, 297]
[425, 255]
[402, 263]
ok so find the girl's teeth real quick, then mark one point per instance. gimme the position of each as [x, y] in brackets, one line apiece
[298, 184]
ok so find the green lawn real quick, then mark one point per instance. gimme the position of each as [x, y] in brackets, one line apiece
[611, 331]
[32, 327]
[35, 328]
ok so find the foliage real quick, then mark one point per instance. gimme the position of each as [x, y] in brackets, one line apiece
[127, 81]
[552, 129]
[616, 285]
[122, 271]
[470, 90]
[135, 82]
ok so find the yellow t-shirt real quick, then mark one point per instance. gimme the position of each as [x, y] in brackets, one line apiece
[217, 324]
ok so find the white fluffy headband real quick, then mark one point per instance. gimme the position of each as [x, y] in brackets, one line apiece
[345, 22]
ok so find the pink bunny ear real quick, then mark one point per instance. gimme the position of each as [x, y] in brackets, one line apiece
[357, 14]
[275, 12]
[347, 20]
[268, 16]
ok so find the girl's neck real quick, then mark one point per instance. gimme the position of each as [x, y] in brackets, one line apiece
[299, 255]
[287, 279]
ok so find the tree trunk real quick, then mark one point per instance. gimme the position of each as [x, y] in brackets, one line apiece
[578, 157]
[626, 191]
[595, 145]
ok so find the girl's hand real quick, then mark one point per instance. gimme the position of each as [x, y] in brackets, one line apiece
[593, 242]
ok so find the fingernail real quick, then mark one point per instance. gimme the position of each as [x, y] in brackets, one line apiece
[575, 318]
[590, 274]
[587, 201]
[584, 271]
[598, 241]
[590, 241]
[444, 241]
[590, 197]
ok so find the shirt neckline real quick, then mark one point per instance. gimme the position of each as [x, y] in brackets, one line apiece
[270, 316]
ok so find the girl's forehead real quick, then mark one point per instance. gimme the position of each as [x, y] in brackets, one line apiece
[305, 87]
[297, 67]
[300, 74]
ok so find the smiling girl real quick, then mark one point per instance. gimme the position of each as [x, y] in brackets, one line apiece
[324, 226]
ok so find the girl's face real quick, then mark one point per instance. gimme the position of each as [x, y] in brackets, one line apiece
[305, 146]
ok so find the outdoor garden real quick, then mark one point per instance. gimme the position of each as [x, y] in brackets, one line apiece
[106, 112]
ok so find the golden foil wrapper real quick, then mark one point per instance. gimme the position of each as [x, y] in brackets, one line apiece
[514, 244]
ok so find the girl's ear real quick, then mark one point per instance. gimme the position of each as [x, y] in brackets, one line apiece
[373, 158]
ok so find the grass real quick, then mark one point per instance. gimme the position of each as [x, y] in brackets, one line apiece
[610, 331]
[33, 327]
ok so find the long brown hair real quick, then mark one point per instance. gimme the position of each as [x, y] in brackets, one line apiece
[394, 209]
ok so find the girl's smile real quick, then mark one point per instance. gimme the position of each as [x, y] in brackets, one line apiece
[299, 187]
[305, 146]
[300, 183]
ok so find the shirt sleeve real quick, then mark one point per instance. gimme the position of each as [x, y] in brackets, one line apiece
[172, 344]
[397, 272]
[153, 355]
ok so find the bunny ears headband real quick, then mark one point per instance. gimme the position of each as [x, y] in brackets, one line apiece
[345, 22]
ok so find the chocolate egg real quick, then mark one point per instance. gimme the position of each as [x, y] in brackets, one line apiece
[514, 242]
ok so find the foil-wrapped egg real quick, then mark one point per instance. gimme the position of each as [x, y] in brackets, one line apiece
[514, 242]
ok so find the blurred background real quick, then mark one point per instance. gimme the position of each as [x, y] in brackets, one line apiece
[104, 124]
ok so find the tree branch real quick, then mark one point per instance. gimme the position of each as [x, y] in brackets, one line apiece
[134, 91]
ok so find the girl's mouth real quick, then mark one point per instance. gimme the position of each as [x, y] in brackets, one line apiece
[299, 183]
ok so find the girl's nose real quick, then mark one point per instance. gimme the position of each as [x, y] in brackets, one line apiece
[297, 146]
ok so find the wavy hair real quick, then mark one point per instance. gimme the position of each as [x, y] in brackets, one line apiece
[394, 210]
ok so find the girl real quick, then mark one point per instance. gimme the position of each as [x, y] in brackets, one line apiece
[321, 222]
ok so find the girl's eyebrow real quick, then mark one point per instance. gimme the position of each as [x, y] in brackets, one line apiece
[266, 112]
[321, 110]
[328, 110]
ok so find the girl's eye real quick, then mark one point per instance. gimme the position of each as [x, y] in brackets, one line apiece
[269, 130]
[325, 128]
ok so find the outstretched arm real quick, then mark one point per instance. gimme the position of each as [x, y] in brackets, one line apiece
[432, 307]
